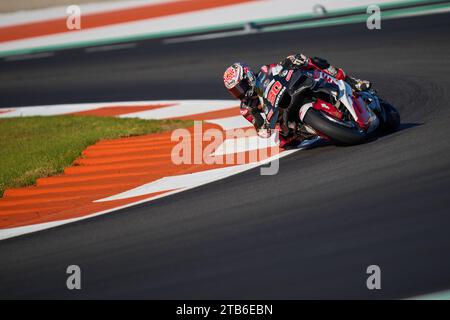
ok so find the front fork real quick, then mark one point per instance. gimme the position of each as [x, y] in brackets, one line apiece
[374, 106]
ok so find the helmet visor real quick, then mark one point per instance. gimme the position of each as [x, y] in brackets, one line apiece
[239, 90]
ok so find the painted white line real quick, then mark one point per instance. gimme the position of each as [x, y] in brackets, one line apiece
[244, 144]
[56, 109]
[183, 182]
[14, 232]
[51, 110]
[33, 56]
[184, 108]
[231, 123]
[112, 47]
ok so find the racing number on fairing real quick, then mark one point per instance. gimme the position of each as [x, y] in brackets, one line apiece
[274, 91]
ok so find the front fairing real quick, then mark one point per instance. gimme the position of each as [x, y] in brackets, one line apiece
[356, 106]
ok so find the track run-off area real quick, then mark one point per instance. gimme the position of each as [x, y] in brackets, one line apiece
[309, 231]
[113, 174]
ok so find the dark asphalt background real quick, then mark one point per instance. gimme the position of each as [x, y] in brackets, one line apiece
[308, 232]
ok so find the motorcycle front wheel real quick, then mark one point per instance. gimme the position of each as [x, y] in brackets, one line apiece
[338, 132]
[392, 118]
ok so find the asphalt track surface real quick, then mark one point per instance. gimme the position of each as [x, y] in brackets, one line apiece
[309, 231]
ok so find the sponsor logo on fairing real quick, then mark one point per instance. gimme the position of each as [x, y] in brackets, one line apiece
[279, 96]
[274, 91]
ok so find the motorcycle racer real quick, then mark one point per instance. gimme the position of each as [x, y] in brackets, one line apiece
[241, 83]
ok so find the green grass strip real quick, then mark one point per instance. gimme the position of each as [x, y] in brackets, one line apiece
[36, 147]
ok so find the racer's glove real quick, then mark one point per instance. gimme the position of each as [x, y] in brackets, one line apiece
[363, 85]
[295, 61]
[358, 84]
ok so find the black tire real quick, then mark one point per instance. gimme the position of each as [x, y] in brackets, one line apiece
[337, 133]
[392, 121]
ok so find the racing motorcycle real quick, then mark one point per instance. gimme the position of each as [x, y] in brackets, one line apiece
[317, 105]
